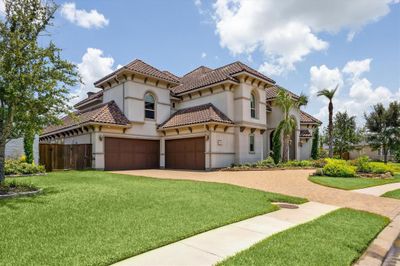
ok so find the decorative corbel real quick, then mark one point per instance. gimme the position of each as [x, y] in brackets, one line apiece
[252, 130]
[242, 129]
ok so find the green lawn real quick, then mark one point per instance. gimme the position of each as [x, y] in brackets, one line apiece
[338, 238]
[395, 194]
[97, 218]
[350, 183]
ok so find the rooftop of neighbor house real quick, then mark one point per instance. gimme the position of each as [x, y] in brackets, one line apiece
[106, 113]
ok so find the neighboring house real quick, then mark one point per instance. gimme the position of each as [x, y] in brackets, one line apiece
[209, 118]
[15, 149]
[363, 149]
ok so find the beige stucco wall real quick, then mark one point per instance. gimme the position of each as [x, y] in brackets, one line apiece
[242, 95]
[242, 146]
[221, 99]
[275, 117]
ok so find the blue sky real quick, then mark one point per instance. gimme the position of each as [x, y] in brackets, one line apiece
[303, 45]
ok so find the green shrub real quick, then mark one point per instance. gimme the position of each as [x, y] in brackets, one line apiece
[319, 163]
[269, 162]
[18, 167]
[339, 168]
[380, 168]
[319, 172]
[296, 163]
[362, 163]
[365, 166]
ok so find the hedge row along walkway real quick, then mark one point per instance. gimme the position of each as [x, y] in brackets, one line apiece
[289, 182]
[213, 246]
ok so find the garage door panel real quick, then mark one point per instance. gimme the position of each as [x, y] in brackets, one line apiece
[185, 153]
[127, 154]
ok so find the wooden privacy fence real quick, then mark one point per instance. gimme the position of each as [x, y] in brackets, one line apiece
[64, 156]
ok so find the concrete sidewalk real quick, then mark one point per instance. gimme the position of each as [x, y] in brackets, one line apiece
[213, 246]
[378, 190]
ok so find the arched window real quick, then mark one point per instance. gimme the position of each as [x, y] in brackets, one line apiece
[149, 106]
[253, 105]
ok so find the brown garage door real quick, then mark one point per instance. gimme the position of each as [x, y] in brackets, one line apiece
[128, 154]
[185, 154]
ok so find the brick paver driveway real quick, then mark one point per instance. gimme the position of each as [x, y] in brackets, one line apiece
[289, 182]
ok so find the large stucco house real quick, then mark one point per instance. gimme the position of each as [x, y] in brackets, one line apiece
[210, 118]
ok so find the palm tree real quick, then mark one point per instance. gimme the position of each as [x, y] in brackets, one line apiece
[286, 102]
[329, 94]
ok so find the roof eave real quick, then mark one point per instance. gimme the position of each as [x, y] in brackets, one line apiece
[207, 86]
[197, 124]
[268, 81]
[114, 75]
[82, 125]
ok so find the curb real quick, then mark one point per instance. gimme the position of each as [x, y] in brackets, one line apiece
[20, 194]
[380, 247]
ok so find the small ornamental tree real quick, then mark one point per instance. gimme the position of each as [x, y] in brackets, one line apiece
[383, 128]
[345, 134]
[315, 145]
[34, 79]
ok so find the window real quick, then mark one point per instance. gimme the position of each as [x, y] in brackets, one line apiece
[251, 142]
[149, 106]
[253, 106]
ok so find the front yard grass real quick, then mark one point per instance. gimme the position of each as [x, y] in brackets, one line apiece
[395, 194]
[338, 238]
[97, 218]
[350, 183]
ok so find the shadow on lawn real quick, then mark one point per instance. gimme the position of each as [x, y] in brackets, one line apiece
[40, 198]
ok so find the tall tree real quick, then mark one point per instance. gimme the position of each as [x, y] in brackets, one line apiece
[288, 124]
[34, 79]
[383, 128]
[329, 94]
[345, 134]
[314, 147]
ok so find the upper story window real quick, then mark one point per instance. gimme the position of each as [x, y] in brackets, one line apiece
[253, 105]
[149, 106]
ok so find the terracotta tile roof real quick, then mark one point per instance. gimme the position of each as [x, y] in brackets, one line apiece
[308, 119]
[271, 92]
[305, 133]
[171, 75]
[204, 76]
[196, 115]
[97, 95]
[107, 113]
[143, 68]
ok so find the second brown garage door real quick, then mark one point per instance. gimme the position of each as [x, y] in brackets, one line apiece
[185, 153]
[129, 154]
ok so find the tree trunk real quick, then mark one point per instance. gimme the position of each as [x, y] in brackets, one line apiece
[330, 129]
[2, 160]
[285, 156]
[385, 154]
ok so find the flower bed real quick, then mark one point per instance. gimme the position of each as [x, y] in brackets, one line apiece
[13, 188]
[360, 167]
[268, 164]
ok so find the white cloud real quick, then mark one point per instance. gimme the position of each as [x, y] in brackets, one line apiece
[93, 67]
[2, 7]
[358, 94]
[324, 78]
[197, 3]
[356, 68]
[83, 18]
[203, 55]
[285, 32]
